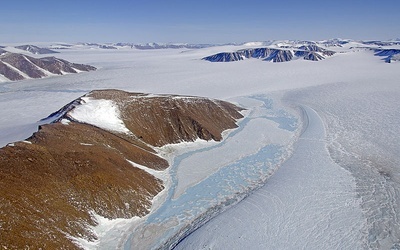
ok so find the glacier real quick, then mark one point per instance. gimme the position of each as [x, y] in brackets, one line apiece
[310, 202]
[347, 168]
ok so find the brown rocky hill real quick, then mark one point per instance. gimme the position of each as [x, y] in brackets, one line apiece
[15, 66]
[52, 183]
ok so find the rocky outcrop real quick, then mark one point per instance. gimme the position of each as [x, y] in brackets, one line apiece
[280, 56]
[35, 49]
[313, 56]
[227, 56]
[313, 52]
[52, 183]
[15, 66]
[306, 52]
[389, 55]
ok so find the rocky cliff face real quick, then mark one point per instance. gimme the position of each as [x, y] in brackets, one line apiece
[19, 67]
[52, 183]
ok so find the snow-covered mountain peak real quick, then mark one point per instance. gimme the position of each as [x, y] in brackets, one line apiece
[35, 49]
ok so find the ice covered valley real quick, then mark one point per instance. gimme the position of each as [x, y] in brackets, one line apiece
[314, 163]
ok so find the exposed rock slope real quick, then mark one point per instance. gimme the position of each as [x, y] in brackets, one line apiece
[389, 55]
[306, 52]
[51, 184]
[178, 117]
[15, 66]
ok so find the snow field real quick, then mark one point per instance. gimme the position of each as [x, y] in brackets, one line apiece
[100, 113]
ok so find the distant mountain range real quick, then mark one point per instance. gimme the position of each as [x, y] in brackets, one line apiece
[151, 46]
[14, 66]
[35, 49]
[147, 46]
[274, 51]
[284, 51]
[171, 46]
[310, 52]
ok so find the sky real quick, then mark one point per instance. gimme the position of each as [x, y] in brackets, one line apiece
[205, 21]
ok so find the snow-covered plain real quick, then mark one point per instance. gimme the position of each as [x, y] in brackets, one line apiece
[340, 188]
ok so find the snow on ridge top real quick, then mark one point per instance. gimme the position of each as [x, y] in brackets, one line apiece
[168, 96]
[252, 44]
[100, 113]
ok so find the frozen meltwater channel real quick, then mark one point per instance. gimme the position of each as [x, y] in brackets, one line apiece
[226, 172]
[309, 203]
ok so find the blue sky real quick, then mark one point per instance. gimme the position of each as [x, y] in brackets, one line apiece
[205, 21]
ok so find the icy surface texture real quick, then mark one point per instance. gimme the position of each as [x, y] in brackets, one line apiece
[194, 199]
[309, 203]
[362, 137]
